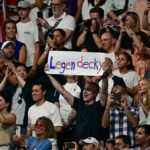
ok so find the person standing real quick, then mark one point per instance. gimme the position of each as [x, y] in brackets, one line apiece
[28, 34]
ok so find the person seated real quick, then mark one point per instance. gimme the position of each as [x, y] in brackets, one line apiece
[7, 121]
[90, 143]
[122, 142]
[44, 130]
[143, 137]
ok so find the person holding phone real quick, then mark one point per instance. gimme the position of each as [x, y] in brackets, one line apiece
[118, 116]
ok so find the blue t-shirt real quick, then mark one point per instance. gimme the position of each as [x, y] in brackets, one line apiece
[33, 144]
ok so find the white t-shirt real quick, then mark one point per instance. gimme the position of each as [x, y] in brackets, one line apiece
[18, 106]
[131, 80]
[85, 11]
[67, 22]
[65, 108]
[143, 118]
[28, 34]
[48, 110]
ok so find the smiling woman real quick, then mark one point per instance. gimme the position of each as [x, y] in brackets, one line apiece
[44, 130]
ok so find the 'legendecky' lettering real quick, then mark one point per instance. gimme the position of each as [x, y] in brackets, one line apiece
[81, 64]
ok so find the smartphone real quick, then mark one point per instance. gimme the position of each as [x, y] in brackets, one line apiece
[115, 22]
[117, 96]
[40, 14]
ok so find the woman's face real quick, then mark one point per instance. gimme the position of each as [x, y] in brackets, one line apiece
[143, 87]
[40, 128]
[122, 61]
[130, 22]
[3, 104]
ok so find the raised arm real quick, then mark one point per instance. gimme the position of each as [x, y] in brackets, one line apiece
[104, 91]
[23, 54]
[3, 82]
[106, 116]
[21, 81]
[61, 90]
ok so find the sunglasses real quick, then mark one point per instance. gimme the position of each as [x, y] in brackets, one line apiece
[23, 9]
[39, 126]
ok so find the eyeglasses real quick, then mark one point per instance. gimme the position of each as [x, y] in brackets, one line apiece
[55, 5]
[39, 126]
[23, 9]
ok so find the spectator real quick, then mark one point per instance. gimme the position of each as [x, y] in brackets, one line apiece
[7, 121]
[44, 130]
[112, 79]
[131, 28]
[145, 20]
[89, 4]
[43, 108]
[122, 142]
[126, 71]
[135, 43]
[60, 20]
[8, 49]
[118, 9]
[68, 114]
[28, 34]
[42, 6]
[108, 41]
[91, 31]
[10, 34]
[89, 112]
[55, 41]
[143, 137]
[142, 100]
[90, 143]
[21, 95]
[118, 116]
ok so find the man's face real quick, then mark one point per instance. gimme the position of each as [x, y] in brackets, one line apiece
[57, 8]
[119, 144]
[107, 41]
[95, 16]
[89, 93]
[141, 137]
[37, 93]
[10, 31]
[58, 39]
[88, 146]
[8, 51]
[23, 13]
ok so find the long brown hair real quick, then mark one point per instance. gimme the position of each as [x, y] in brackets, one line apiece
[49, 127]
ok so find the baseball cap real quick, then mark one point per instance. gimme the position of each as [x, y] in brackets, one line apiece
[89, 140]
[4, 44]
[24, 4]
